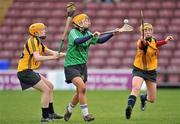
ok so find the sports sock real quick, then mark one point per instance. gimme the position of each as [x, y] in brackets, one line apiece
[144, 97]
[70, 107]
[131, 100]
[84, 109]
[51, 108]
[45, 112]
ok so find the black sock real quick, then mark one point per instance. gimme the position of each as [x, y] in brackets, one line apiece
[51, 109]
[144, 96]
[45, 112]
[131, 100]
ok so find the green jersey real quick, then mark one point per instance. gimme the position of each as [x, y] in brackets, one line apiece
[78, 53]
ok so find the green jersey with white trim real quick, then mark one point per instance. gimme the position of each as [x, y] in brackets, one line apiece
[78, 53]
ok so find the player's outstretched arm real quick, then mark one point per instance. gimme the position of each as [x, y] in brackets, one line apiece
[169, 38]
[105, 38]
[83, 39]
[39, 57]
[162, 42]
[55, 53]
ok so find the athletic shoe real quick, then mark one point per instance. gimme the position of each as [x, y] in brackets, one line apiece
[67, 115]
[46, 119]
[88, 118]
[55, 116]
[128, 111]
[143, 103]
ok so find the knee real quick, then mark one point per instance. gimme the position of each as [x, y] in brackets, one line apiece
[51, 86]
[47, 91]
[151, 99]
[136, 90]
[82, 90]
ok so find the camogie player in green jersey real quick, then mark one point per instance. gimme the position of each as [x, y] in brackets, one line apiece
[79, 41]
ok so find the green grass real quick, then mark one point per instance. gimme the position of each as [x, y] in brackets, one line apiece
[17, 107]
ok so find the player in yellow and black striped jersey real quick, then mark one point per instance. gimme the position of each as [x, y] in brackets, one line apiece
[145, 65]
[33, 54]
[27, 61]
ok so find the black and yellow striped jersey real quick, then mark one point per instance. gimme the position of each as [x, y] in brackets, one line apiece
[27, 61]
[147, 59]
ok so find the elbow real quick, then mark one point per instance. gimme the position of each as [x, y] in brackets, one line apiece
[76, 42]
[37, 58]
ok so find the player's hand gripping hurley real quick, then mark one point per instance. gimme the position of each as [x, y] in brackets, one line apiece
[70, 12]
[125, 28]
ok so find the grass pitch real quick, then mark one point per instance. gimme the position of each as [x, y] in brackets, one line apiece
[108, 107]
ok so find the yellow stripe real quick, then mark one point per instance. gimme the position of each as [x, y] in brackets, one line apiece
[32, 43]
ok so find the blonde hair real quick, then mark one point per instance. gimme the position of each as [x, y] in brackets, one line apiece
[146, 25]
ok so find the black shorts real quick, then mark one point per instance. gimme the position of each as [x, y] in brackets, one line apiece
[75, 71]
[146, 75]
[28, 78]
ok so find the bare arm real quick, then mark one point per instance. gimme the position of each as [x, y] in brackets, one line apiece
[52, 52]
[39, 57]
[49, 52]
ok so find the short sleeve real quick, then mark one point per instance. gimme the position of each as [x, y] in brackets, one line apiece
[33, 45]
